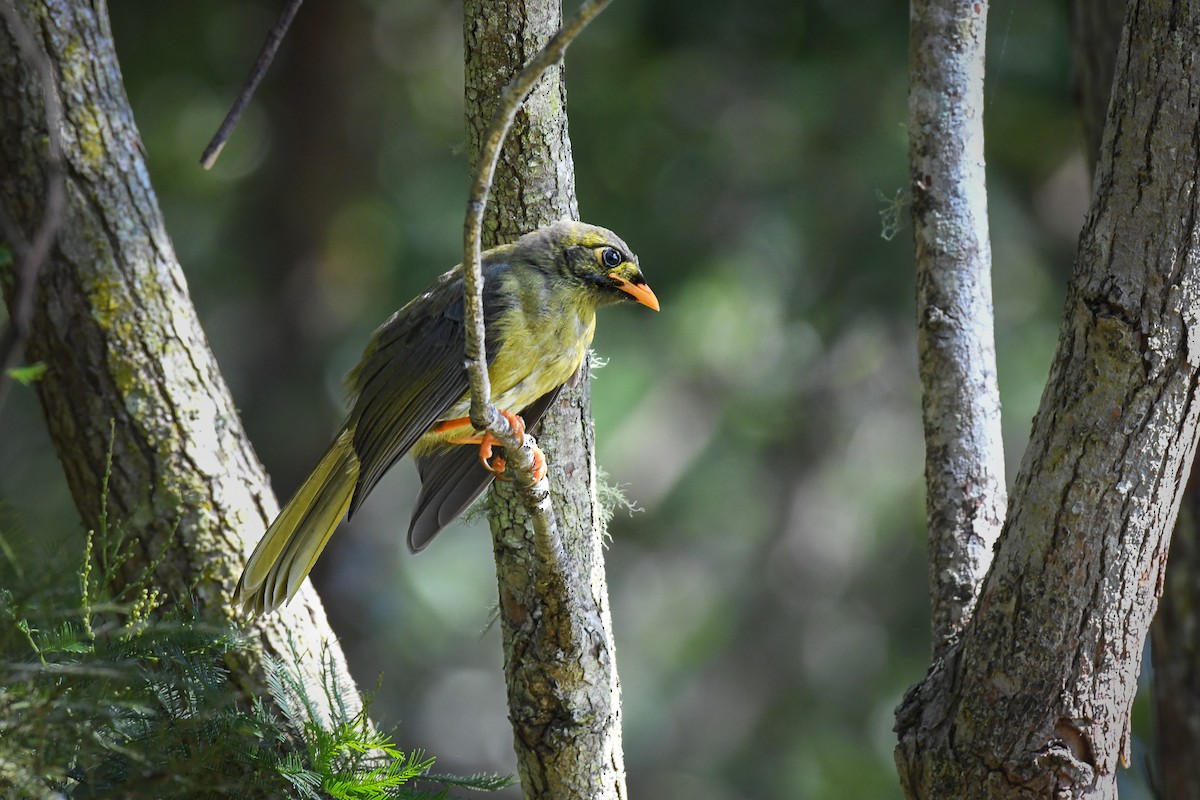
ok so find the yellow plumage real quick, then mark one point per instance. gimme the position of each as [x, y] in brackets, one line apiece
[540, 299]
[289, 548]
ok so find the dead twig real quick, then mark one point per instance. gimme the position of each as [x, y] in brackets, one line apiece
[265, 57]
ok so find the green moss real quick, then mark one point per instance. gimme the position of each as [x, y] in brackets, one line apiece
[107, 301]
[89, 137]
[78, 82]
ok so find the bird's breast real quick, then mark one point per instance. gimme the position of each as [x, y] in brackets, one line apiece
[540, 350]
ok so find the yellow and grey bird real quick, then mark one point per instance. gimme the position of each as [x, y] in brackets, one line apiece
[410, 391]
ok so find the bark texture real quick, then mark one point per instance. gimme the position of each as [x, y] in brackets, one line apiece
[1034, 699]
[964, 453]
[1174, 646]
[560, 659]
[128, 366]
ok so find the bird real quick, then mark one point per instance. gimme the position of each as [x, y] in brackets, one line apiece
[410, 392]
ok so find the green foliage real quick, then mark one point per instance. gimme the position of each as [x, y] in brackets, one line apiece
[108, 691]
[345, 758]
[27, 374]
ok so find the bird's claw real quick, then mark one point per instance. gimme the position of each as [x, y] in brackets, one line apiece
[539, 463]
[497, 464]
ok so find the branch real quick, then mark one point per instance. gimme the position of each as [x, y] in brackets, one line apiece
[483, 414]
[265, 57]
[28, 258]
[964, 457]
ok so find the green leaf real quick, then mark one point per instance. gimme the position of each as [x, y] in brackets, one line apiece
[27, 374]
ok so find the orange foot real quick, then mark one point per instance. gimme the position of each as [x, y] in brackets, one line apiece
[498, 464]
[486, 442]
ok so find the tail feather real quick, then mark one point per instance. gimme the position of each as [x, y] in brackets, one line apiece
[290, 547]
[450, 481]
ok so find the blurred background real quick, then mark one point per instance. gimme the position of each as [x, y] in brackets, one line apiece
[769, 594]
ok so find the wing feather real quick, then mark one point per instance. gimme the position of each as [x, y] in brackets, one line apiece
[413, 373]
[451, 479]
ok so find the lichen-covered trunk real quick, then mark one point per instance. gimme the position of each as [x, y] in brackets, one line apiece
[559, 656]
[129, 370]
[1034, 699]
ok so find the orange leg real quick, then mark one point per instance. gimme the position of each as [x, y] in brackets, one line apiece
[486, 442]
[451, 424]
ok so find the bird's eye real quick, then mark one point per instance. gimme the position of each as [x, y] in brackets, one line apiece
[612, 257]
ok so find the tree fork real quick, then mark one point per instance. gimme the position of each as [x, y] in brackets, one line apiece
[1034, 699]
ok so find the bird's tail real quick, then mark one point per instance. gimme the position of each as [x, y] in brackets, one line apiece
[289, 548]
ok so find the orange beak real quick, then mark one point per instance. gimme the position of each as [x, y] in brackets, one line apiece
[638, 291]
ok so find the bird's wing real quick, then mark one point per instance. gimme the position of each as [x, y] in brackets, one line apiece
[412, 373]
[452, 479]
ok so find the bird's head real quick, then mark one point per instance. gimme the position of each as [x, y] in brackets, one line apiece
[593, 256]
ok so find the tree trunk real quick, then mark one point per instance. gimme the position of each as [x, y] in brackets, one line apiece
[129, 371]
[1175, 651]
[559, 656]
[1034, 699]
[964, 452]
